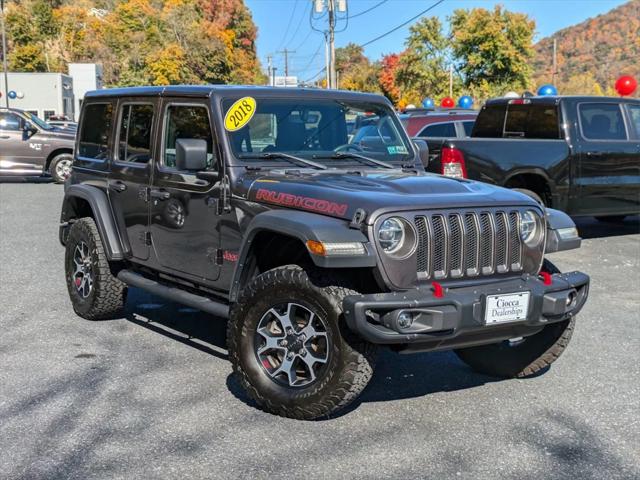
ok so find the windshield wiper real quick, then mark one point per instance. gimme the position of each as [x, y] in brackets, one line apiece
[291, 158]
[369, 160]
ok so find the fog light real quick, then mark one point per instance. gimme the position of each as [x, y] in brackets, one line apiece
[405, 319]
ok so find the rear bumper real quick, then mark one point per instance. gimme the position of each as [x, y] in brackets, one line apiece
[457, 318]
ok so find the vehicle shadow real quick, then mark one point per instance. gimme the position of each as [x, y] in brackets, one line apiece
[19, 179]
[589, 227]
[396, 376]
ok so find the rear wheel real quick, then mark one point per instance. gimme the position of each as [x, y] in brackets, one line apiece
[290, 349]
[521, 357]
[60, 167]
[94, 291]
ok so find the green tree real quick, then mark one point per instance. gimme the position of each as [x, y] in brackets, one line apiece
[356, 72]
[423, 69]
[493, 49]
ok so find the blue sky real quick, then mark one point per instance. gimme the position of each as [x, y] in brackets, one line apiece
[285, 23]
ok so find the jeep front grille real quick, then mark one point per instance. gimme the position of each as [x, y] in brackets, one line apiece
[469, 244]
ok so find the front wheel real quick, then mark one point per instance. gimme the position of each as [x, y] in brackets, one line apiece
[521, 357]
[290, 347]
[60, 168]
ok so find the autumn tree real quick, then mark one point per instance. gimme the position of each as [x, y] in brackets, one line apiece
[387, 78]
[355, 70]
[493, 49]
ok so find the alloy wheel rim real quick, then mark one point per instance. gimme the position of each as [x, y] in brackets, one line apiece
[83, 270]
[63, 169]
[292, 345]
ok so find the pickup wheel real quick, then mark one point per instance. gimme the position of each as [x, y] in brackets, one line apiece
[60, 167]
[94, 291]
[531, 194]
[521, 357]
[290, 349]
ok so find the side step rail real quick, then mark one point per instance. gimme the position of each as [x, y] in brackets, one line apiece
[175, 294]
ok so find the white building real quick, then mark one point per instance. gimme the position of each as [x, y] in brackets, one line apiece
[47, 94]
[44, 94]
[86, 77]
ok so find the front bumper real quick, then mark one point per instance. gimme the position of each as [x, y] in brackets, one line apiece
[457, 318]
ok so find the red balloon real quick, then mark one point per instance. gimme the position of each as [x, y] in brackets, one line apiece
[626, 85]
[447, 102]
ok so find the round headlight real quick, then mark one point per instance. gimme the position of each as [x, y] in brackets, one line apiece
[528, 227]
[391, 234]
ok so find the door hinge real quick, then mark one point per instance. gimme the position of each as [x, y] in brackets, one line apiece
[145, 238]
[143, 194]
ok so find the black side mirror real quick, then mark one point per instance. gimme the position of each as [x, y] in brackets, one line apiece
[191, 154]
[423, 151]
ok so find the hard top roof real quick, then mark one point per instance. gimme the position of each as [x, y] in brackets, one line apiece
[554, 99]
[206, 91]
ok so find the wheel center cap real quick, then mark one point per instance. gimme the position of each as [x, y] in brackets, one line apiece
[294, 342]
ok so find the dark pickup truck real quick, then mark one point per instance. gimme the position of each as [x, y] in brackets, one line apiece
[577, 154]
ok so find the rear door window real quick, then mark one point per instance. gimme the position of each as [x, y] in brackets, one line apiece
[534, 121]
[468, 128]
[134, 143]
[95, 132]
[447, 130]
[602, 121]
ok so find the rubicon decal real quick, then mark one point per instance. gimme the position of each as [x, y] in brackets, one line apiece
[307, 203]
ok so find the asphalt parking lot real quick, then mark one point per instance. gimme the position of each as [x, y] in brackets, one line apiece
[151, 396]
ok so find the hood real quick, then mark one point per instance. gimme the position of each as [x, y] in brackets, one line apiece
[340, 193]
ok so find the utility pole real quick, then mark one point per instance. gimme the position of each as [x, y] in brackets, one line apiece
[4, 55]
[269, 66]
[273, 76]
[333, 8]
[286, 60]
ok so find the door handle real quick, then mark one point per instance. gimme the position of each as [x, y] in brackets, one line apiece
[594, 154]
[5, 137]
[160, 194]
[118, 186]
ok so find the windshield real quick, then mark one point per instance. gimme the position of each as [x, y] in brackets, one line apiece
[35, 120]
[323, 130]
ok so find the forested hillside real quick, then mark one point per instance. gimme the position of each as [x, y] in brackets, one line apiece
[138, 42]
[592, 54]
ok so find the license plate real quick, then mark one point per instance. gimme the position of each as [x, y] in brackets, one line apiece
[506, 308]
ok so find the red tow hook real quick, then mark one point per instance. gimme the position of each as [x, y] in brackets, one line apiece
[438, 292]
[546, 277]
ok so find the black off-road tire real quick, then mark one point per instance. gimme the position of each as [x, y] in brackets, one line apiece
[351, 360]
[532, 194]
[108, 294]
[57, 176]
[528, 357]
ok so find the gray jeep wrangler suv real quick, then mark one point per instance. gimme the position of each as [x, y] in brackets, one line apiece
[257, 205]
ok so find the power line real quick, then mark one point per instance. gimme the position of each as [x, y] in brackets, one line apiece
[286, 31]
[313, 57]
[304, 13]
[311, 78]
[368, 9]
[403, 24]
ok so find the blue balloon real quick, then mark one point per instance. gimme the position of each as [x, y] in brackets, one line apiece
[547, 90]
[12, 94]
[427, 103]
[465, 101]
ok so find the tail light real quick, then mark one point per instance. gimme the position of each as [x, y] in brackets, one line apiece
[452, 162]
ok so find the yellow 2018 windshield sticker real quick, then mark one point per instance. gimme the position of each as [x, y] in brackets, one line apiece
[239, 114]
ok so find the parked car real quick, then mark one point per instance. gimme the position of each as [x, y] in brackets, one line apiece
[440, 124]
[579, 154]
[30, 146]
[251, 203]
[63, 124]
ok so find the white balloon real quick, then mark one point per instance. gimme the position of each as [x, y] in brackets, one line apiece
[20, 95]
[511, 95]
[411, 105]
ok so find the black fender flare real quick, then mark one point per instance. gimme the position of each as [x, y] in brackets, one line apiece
[102, 214]
[303, 226]
[560, 236]
[529, 171]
